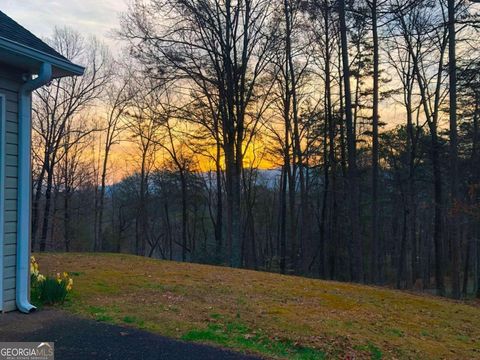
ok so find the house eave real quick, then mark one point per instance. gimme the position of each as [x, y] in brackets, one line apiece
[61, 67]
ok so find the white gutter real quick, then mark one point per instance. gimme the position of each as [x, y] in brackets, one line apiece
[24, 186]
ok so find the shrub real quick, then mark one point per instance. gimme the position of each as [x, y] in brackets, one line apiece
[46, 289]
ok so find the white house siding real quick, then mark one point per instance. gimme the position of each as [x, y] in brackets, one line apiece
[10, 81]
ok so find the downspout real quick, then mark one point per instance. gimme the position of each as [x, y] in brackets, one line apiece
[24, 186]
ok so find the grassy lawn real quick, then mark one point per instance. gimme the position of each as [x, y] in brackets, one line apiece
[269, 314]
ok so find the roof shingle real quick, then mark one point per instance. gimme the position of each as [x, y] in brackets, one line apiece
[11, 30]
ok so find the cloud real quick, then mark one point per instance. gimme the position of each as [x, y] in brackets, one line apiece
[89, 17]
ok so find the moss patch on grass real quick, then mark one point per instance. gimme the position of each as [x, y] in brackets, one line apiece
[273, 315]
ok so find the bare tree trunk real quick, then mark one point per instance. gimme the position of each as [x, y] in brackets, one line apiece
[169, 230]
[36, 203]
[466, 269]
[101, 202]
[328, 155]
[296, 237]
[377, 260]
[140, 227]
[454, 197]
[331, 142]
[322, 251]
[403, 252]
[437, 232]
[66, 221]
[476, 179]
[46, 212]
[411, 150]
[219, 214]
[66, 204]
[237, 216]
[355, 248]
[283, 219]
[432, 120]
[183, 185]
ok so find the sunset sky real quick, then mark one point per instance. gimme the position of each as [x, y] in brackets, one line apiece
[96, 17]
[101, 18]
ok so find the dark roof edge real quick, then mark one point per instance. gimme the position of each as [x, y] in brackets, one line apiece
[41, 56]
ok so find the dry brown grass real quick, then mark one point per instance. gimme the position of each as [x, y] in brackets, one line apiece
[172, 298]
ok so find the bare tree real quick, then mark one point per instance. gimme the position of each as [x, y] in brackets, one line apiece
[454, 196]
[220, 44]
[431, 40]
[55, 108]
[143, 125]
[356, 256]
[118, 98]
[75, 170]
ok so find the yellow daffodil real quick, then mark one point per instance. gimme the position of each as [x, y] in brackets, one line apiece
[63, 279]
[34, 267]
[70, 284]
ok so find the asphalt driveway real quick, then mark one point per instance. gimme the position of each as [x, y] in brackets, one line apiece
[80, 339]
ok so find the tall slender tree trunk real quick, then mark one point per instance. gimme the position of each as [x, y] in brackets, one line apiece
[331, 144]
[46, 212]
[169, 230]
[377, 259]
[355, 248]
[233, 171]
[183, 185]
[454, 196]
[403, 252]
[67, 235]
[329, 153]
[438, 214]
[322, 256]
[297, 234]
[66, 205]
[219, 214]
[237, 216]
[36, 202]
[411, 150]
[343, 263]
[232, 122]
[140, 223]
[101, 201]
[283, 215]
[476, 180]
[432, 120]
[466, 269]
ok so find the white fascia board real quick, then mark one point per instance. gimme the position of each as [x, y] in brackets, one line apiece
[42, 57]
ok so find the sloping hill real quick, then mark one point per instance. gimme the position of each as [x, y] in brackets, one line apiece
[270, 314]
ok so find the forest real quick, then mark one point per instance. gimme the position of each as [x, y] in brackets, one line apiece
[332, 139]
